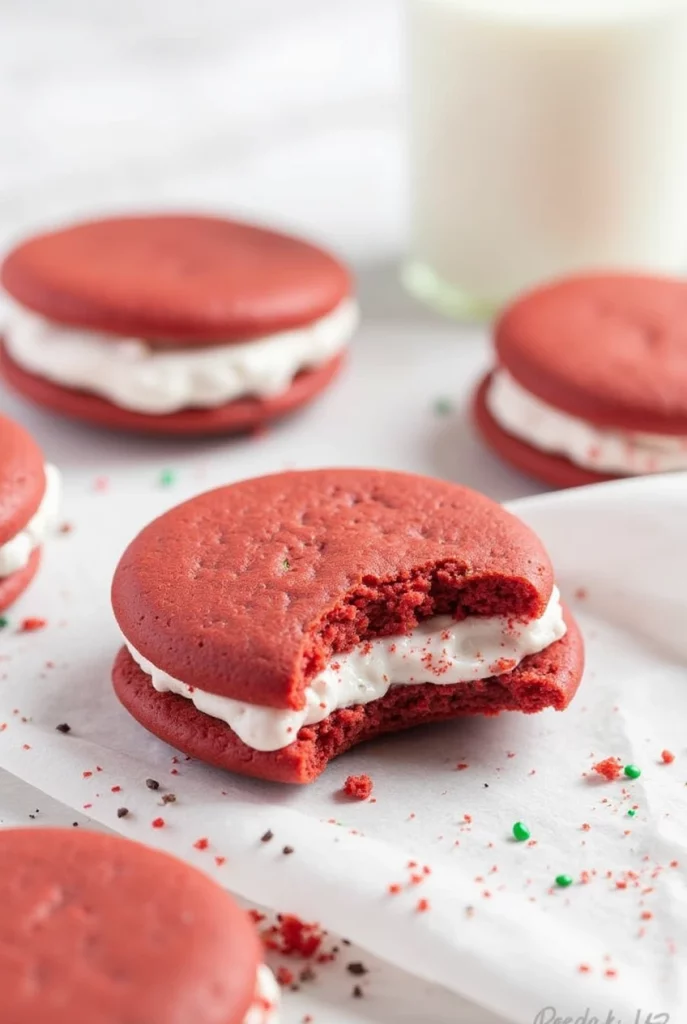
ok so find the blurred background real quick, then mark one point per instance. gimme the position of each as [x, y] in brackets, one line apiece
[281, 110]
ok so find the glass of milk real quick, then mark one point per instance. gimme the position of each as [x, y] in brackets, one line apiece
[546, 137]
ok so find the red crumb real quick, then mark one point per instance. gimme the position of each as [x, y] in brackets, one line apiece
[667, 756]
[610, 768]
[621, 885]
[674, 864]
[116, 789]
[584, 969]
[358, 787]
[394, 889]
[610, 972]
[293, 937]
[284, 976]
[585, 877]
[646, 915]
[468, 818]
[581, 593]
[461, 767]
[26, 746]
[158, 823]
[86, 775]
[255, 916]
[585, 826]
[32, 625]
[219, 861]
[201, 844]
[422, 906]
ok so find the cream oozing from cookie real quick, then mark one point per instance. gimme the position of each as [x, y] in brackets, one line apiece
[439, 651]
[265, 1008]
[16, 552]
[603, 449]
[132, 374]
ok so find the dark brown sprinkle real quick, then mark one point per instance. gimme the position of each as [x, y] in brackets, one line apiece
[152, 784]
[307, 974]
[267, 836]
[32, 816]
[75, 824]
[346, 942]
[357, 992]
[294, 988]
[169, 798]
[486, 785]
[356, 968]
[63, 727]
[122, 812]
[287, 850]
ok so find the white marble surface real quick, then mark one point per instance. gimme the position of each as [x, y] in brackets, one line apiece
[287, 111]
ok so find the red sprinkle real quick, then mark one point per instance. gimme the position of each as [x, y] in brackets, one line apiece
[86, 775]
[395, 889]
[358, 787]
[584, 969]
[586, 826]
[667, 756]
[32, 625]
[461, 767]
[284, 976]
[219, 861]
[201, 844]
[610, 768]
[116, 789]
[422, 906]
[646, 915]
[158, 823]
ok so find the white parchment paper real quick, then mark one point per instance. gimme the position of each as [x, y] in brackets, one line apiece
[496, 929]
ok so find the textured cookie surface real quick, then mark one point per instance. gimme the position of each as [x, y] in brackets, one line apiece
[175, 278]
[243, 414]
[608, 349]
[22, 478]
[99, 930]
[549, 679]
[246, 591]
[552, 469]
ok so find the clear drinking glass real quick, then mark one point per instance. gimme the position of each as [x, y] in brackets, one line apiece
[546, 137]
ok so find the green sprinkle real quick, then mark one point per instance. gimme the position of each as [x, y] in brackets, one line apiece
[443, 407]
[167, 477]
[4, 623]
[521, 831]
[632, 771]
[631, 813]
[563, 881]
[286, 565]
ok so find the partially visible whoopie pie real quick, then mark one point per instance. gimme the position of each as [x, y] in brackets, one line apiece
[178, 324]
[100, 930]
[591, 380]
[273, 624]
[29, 499]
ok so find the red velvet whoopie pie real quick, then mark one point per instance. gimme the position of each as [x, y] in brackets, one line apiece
[96, 929]
[173, 324]
[591, 380]
[29, 496]
[273, 624]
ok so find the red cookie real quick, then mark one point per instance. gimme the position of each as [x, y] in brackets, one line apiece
[591, 382]
[96, 928]
[252, 592]
[22, 487]
[184, 287]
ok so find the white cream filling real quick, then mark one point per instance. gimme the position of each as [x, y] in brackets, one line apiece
[133, 375]
[15, 553]
[439, 651]
[266, 992]
[605, 450]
